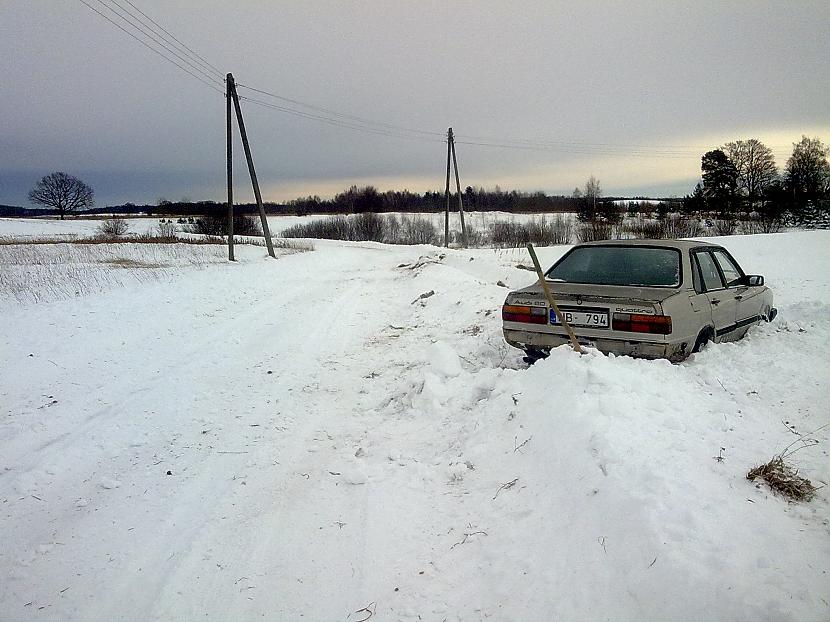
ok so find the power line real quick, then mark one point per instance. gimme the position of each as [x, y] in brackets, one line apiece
[338, 122]
[656, 149]
[129, 18]
[150, 47]
[209, 74]
[173, 37]
[622, 151]
[350, 117]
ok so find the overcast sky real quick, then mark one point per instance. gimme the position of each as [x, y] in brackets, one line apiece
[632, 93]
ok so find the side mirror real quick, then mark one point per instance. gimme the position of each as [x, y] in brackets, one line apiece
[754, 280]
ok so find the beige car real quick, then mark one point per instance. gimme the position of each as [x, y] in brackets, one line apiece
[645, 298]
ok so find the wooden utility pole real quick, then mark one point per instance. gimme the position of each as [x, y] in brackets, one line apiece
[230, 166]
[241, 122]
[447, 192]
[458, 189]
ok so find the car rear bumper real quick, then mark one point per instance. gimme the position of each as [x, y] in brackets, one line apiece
[531, 341]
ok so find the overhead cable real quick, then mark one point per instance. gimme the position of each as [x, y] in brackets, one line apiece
[153, 49]
[340, 122]
[342, 115]
[196, 55]
[136, 23]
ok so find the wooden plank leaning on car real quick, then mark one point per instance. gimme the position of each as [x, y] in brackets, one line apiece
[551, 301]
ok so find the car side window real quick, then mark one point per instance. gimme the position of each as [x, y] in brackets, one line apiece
[709, 271]
[731, 272]
[696, 274]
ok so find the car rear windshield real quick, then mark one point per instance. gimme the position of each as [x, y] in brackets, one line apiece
[636, 266]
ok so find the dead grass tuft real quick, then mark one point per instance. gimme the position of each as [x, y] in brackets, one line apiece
[783, 479]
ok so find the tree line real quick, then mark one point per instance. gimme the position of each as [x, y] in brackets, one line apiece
[742, 178]
[738, 180]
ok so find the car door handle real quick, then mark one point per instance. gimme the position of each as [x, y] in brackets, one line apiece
[715, 302]
[738, 297]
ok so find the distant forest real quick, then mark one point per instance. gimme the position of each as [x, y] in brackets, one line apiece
[352, 201]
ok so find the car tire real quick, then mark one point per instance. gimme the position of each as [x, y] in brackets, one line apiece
[703, 338]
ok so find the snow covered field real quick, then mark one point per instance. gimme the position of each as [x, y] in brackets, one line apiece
[71, 228]
[307, 438]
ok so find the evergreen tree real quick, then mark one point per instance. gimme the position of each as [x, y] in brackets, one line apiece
[720, 183]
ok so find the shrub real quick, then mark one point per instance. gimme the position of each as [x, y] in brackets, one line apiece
[677, 227]
[725, 227]
[417, 230]
[596, 230]
[113, 228]
[243, 224]
[671, 226]
[367, 227]
[538, 231]
[646, 228]
[507, 234]
[475, 237]
[166, 230]
[392, 229]
[332, 228]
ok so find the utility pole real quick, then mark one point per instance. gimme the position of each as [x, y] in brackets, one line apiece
[241, 122]
[447, 192]
[458, 189]
[228, 95]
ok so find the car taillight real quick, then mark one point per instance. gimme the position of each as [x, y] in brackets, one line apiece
[635, 323]
[522, 313]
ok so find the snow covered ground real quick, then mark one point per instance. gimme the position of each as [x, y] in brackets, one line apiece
[307, 438]
[74, 228]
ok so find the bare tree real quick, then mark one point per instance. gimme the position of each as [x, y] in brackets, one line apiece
[63, 192]
[756, 168]
[592, 190]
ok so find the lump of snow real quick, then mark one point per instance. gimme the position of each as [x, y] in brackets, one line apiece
[456, 471]
[354, 474]
[444, 360]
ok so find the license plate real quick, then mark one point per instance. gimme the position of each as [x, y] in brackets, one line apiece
[587, 318]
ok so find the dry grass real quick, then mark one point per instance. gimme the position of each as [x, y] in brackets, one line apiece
[34, 273]
[44, 270]
[122, 262]
[783, 479]
[138, 239]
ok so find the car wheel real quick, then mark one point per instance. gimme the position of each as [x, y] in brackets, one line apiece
[703, 338]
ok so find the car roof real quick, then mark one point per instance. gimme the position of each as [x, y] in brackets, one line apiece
[678, 244]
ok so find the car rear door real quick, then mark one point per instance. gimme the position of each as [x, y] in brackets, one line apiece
[722, 304]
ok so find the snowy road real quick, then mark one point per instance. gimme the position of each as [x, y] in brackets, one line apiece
[306, 438]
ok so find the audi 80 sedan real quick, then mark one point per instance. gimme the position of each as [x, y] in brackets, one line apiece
[643, 298]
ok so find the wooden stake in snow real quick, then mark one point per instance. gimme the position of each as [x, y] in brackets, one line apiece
[551, 301]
